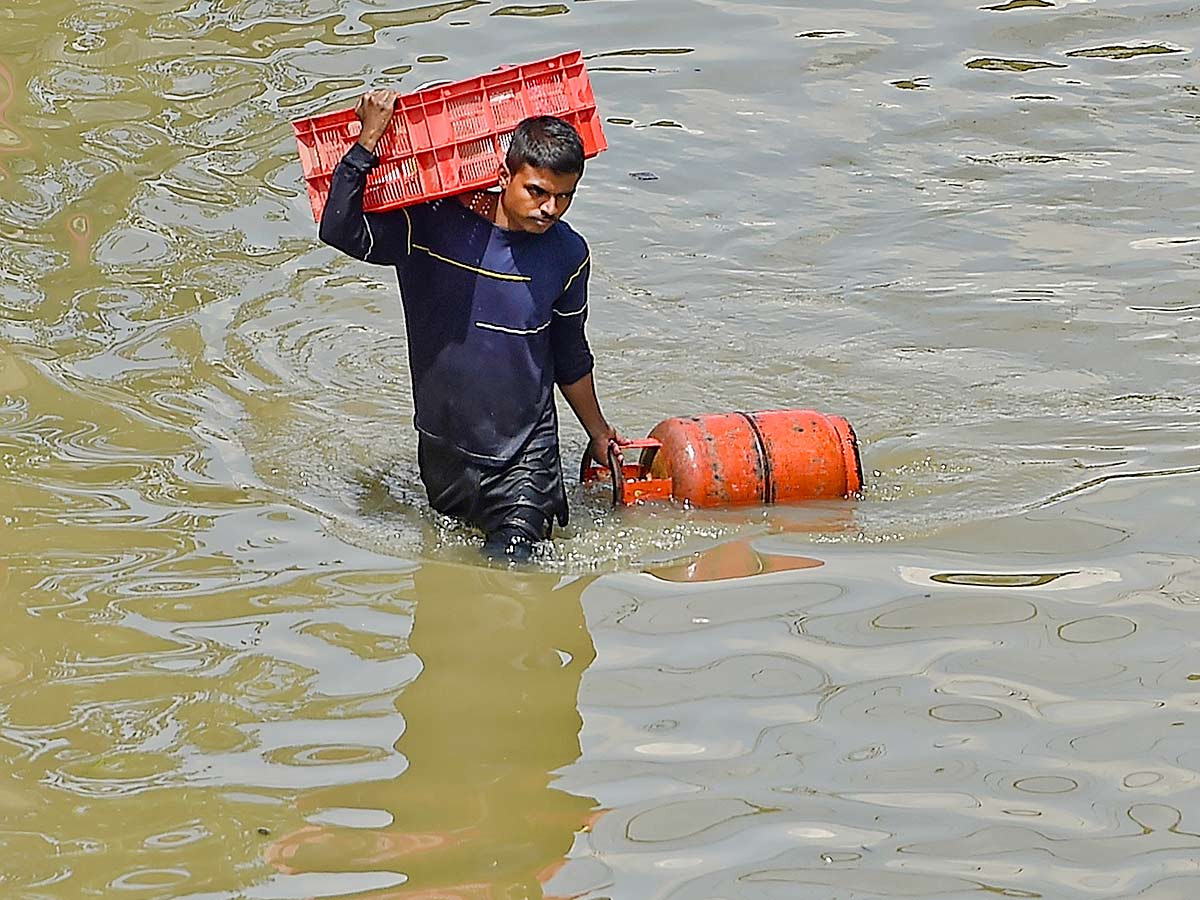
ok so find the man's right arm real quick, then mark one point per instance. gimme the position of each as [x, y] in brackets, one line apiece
[383, 238]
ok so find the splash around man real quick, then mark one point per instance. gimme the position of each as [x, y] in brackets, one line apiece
[494, 289]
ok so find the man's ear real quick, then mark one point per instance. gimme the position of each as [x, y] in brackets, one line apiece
[504, 176]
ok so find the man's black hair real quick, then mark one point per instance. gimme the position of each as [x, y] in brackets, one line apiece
[545, 142]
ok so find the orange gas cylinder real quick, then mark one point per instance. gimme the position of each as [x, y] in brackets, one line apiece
[739, 459]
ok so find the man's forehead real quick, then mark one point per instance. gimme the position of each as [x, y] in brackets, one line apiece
[548, 180]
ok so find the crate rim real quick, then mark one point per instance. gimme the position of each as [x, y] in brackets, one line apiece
[316, 120]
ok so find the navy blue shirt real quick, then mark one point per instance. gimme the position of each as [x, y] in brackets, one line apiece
[494, 317]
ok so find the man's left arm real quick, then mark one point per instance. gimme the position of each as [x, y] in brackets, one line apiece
[574, 363]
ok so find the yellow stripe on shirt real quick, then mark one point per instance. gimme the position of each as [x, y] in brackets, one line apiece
[587, 259]
[503, 276]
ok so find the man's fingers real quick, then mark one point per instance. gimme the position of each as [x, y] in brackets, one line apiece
[377, 101]
[383, 98]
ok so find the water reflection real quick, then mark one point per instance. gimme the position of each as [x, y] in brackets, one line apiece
[733, 559]
[491, 717]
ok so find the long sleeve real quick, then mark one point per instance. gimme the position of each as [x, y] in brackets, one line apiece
[568, 343]
[383, 238]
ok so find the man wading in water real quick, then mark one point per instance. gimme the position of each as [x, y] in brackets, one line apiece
[494, 288]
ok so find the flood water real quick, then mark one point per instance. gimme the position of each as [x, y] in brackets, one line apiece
[240, 658]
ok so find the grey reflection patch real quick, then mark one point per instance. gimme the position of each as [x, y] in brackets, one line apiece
[978, 689]
[858, 881]
[997, 579]
[1046, 784]
[349, 817]
[1096, 629]
[1175, 887]
[747, 676]
[844, 857]
[917, 799]
[324, 755]
[954, 611]
[1155, 816]
[133, 246]
[674, 821]
[667, 614]
[1141, 779]
[872, 752]
[965, 712]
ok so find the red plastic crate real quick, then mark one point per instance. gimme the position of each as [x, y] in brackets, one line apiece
[451, 138]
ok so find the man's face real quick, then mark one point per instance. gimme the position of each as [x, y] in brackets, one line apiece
[534, 199]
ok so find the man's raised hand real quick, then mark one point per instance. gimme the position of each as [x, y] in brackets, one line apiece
[375, 110]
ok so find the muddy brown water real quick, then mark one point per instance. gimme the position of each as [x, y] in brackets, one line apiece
[240, 658]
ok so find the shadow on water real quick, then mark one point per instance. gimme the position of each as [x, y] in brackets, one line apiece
[488, 721]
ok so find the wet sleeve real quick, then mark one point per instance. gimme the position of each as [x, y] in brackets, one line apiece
[568, 343]
[383, 238]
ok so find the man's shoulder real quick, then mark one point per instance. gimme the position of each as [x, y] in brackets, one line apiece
[443, 222]
[430, 210]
